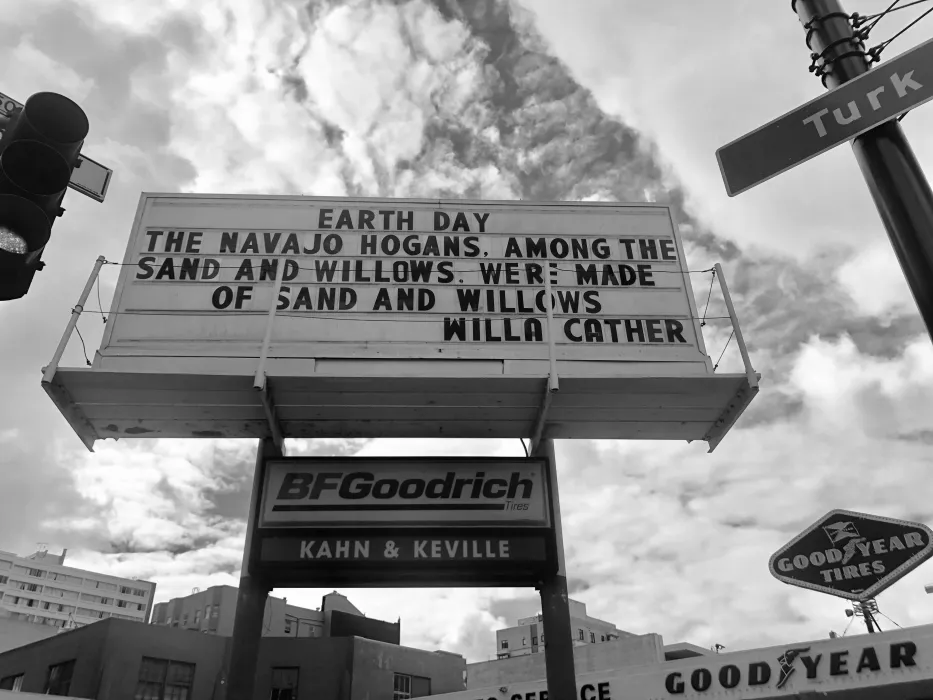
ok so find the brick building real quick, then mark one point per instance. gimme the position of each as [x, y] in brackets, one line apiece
[116, 659]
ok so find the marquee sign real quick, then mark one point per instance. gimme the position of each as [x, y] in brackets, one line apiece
[402, 318]
[397, 278]
[404, 521]
[852, 555]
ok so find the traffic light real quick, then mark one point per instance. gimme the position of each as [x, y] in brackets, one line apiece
[38, 153]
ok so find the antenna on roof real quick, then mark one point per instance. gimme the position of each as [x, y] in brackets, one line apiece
[195, 590]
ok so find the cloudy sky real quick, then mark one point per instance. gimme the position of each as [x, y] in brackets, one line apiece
[539, 99]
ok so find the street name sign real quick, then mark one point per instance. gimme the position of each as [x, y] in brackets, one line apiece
[89, 177]
[404, 521]
[852, 555]
[886, 91]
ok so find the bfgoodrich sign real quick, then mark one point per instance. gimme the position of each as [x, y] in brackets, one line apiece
[405, 521]
[405, 491]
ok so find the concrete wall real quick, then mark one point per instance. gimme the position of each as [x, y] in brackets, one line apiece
[16, 633]
[84, 645]
[376, 663]
[628, 651]
[128, 642]
[325, 666]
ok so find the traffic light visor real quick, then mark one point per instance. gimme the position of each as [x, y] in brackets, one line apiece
[55, 118]
[27, 221]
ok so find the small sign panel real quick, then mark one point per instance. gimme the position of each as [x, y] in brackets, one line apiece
[884, 92]
[89, 177]
[362, 492]
[852, 555]
[402, 549]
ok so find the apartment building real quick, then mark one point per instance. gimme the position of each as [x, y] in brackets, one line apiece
[41, 590]
[212, 611]
[527, 637]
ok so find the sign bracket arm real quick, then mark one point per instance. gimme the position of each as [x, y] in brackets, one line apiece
[541, 419]
[739, 338]
[268, 405]
[48, 372]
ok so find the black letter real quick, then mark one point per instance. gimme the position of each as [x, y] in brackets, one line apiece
[294, 486]
[674, 685]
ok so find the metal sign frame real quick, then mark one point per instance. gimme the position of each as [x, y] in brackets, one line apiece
[378, 569]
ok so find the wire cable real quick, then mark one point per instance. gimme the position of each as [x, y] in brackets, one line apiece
[851, 620]
[100, 304]
[879, 16]
[432, 259]
[890, 620]
[884, 44]
[524, 446]
[708, 296]
[724, 350]
[83, 346]
[388, 316]
[865, 18]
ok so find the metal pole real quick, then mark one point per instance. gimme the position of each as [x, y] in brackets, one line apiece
[555, 605]
[552, 381]
[896, 181]
[259, 381]
[251, 595]
[48, 373]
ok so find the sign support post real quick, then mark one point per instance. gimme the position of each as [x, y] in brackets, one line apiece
[555, 606]
[251, 594]
[895, 179]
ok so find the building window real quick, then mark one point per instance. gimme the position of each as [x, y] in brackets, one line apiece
[288, 626]
[524, 641]
[542, 637]
[4, 579]
[284, 684]
[59, 680]
[534, 641]
[160, 679]
[505, 643]
[582, 638]
[36, 573]
[12, 682]
[197, 616]
[4, 564]
[602, 638]
[593, 637]
[410, 687]
[184, 620]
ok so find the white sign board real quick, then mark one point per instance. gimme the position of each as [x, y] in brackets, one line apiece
[405, 279]
[89, 177]
[404, 491]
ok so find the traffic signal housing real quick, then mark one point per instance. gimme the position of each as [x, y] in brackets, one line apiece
[38, 152]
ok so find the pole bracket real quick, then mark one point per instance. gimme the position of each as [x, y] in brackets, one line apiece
[268, 405]
[550, 389]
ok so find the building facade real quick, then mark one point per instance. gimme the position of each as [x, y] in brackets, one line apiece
[41, 590]
[116, 660]
[527, 637]
[893, 665]
[212, 611]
